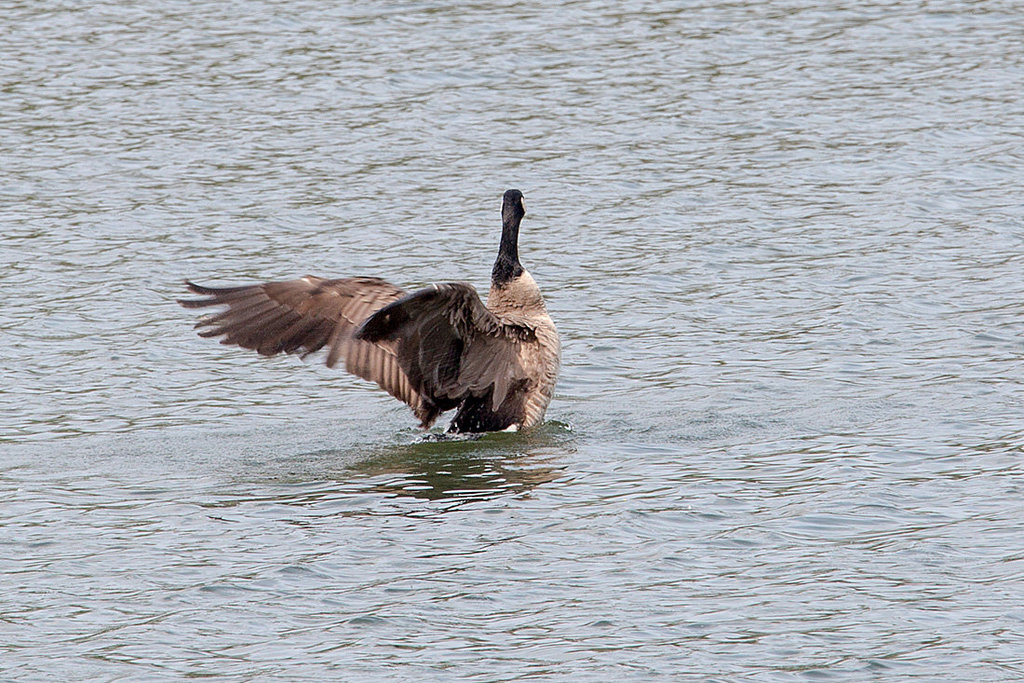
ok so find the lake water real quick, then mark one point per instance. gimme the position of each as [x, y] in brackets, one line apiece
[783, 243]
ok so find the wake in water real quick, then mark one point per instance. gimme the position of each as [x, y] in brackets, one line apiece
[436, 437]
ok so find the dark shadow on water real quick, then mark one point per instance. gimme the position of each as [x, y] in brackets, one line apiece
[431, 467]
[437, 466]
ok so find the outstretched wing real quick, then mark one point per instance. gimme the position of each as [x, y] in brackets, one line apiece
[450, 345]
[305, 315]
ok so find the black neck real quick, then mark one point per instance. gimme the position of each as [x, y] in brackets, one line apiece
[507, 266]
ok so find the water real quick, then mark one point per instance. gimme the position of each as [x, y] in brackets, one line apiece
[783, 244]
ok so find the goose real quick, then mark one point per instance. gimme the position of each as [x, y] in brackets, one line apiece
[435, 349]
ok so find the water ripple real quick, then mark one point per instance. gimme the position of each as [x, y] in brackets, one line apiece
[782, 243]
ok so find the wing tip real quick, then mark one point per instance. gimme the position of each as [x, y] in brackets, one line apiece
[196, 289]
[217, 295]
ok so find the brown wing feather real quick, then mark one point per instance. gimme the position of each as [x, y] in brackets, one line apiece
[306, 315]
[449, 344]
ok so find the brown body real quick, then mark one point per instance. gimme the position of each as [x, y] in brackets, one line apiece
[520, 301]
[435, 349]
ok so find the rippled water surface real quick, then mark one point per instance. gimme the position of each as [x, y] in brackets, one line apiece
[783, 244]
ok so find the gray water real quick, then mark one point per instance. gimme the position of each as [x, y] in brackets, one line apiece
[782, 242]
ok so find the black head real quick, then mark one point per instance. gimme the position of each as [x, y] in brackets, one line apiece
[507, 266]
[513, 208]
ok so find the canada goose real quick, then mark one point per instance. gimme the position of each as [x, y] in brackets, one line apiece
[435, 349]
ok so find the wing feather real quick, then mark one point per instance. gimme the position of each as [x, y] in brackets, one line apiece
[449, 345]
[305, 315]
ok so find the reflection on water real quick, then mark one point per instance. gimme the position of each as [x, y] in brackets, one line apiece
[469, 468]
[433, 466]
